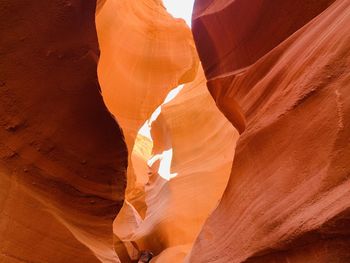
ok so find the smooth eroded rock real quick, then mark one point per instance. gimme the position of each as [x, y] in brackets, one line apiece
[288, 195]
[62, 156]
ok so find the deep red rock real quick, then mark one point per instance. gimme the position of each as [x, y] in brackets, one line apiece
[62, 155]
[234, 34]
[288, 197]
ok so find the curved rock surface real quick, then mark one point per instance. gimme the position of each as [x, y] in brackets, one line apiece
[62, 156]
[236, 33]
[278, 71]
[180, 199]
[288, 197]
[145, 53]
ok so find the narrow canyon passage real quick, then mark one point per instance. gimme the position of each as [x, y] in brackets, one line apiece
[221, 138]
[180, 145]
[249, 63]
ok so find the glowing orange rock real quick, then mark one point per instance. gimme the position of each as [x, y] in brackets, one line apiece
[180, 153]
[144, 54]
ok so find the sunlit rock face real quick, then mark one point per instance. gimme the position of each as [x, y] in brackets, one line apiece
[145, 54]
[62, 156]
[277, 70]
[178, 201]
[180, 149]
[286, 71]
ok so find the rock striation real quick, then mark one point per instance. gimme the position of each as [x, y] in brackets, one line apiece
[283, 68]
[62, 156]
[180, 149]
[144, 54]
[179, 184]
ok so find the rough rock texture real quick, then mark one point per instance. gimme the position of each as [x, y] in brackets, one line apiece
[288, 197]
[178, 171]
[62, 156]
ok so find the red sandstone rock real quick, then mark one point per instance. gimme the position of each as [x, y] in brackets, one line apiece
[62, 156]
[288, 198]
[234, 34]
[282, 82]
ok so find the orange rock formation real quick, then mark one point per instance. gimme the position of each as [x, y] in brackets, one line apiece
[288, 196]
[277, 70]
[177, 173]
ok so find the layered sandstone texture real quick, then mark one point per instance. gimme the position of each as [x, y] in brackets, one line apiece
[279, 71]
[62, 155]
[180, 147]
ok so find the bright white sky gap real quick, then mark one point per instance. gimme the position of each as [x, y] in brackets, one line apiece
[180, 9]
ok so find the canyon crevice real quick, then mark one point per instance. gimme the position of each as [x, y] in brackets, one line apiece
[145, 55]
[123, 130]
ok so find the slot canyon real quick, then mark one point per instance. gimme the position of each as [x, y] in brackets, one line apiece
[130, 134]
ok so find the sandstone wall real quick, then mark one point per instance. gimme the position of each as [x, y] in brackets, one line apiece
[287, 199]
[145, 53]
[62, 155]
